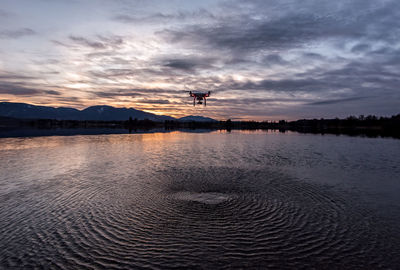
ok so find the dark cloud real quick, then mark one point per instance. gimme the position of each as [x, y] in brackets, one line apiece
[289, 85]
[59, 43]
[353, 78]
[336, 101]
[219, 101]
[111, 41]
[154, 18]
[52, 92]
[75, 100]
[189, 63]
[86, 42]
[18, 33]
[157, 70]
[118, 93]
[113, 72]
[154, 101]
[17, 90]
[101, 42]
[160, 17]
[359, 48]
[99, 54]
[12, 76]
[312, 56]
[309, 24]
[274, 59]
[50, 72]
[4, 13]
[247, 35]
[138, 92]
[183, 64]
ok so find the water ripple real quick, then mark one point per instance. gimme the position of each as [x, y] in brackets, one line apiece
[179, 217]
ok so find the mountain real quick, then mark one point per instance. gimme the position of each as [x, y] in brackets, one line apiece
[23, 110]
[108, 113]
[101, 113]
[191, 118]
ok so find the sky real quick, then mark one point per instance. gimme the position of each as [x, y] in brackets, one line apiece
[261, 60]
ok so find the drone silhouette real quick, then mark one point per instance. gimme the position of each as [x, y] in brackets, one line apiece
[199, 96]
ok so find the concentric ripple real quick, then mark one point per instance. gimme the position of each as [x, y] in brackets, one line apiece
[202, 197]
[175, 216]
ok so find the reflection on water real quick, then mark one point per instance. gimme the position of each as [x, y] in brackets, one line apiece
[199, 200]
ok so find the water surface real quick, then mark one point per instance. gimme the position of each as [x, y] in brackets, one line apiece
[200, 200]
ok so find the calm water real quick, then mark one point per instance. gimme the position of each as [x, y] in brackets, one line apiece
[207, 200]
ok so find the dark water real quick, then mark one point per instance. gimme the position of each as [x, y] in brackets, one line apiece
[212, 200]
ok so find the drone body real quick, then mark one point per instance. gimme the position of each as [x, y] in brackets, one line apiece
[199, 96]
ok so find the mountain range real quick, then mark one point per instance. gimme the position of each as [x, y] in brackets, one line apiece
[99, 113]
[196, 119]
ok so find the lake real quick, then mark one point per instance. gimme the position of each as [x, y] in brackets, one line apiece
[200, 200]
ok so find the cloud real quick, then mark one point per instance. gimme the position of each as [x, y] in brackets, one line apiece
[118, 93]
[161, 17]
[113, 72]
[246, 35]
[314, 21]
[137, 92]
[4, 14]
[286, 57]
[260, 101]
[17, 90]
[154, 101]
[362, 78]
[154, 18]
[101, 42]
[59, 43]
[189, 63]
[289, 85]
[336, 101]
[18, 33]
[51, 92]
[13, 76]
[274, 59]
[86, 42]
[20, 89]
[312, 56]
[359, 48]
[182, 64]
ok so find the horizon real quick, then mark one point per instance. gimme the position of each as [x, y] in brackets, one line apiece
[233, 119]
[262, 61]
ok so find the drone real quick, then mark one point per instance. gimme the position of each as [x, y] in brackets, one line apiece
[199, 96]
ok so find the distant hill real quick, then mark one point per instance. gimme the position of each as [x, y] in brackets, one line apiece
[100, 113]
[196, 119]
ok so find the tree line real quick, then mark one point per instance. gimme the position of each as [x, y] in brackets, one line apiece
[370, 125]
